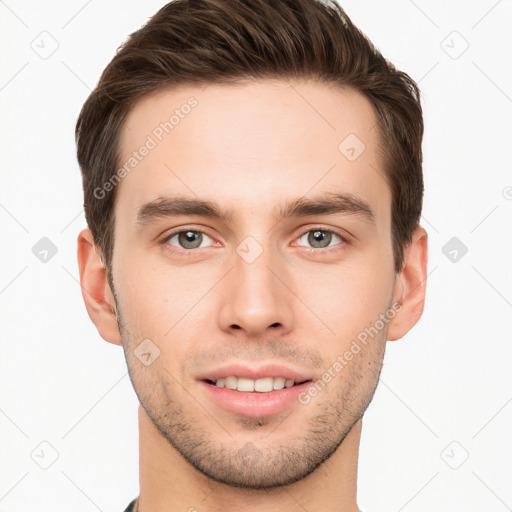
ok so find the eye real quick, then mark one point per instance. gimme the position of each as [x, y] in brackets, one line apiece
[321, 238]
[187, 239]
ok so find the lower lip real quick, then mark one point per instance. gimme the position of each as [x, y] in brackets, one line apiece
[254, 404]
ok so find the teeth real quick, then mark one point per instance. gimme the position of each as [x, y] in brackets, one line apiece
[231, 382]
[245, 384]
[279, 383]
[263, 385]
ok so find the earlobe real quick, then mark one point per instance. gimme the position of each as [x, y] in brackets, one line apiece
[411, 286]
[96, 291]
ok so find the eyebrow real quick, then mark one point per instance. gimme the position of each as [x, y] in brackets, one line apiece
[326, 204]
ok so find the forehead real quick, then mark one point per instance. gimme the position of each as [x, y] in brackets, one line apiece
[251, 145]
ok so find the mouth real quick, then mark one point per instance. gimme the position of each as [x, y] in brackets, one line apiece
[244, 390]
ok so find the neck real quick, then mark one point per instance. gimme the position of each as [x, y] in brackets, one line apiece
[168, 483]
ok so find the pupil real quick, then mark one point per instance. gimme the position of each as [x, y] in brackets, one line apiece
[320, 237]
[188, 239]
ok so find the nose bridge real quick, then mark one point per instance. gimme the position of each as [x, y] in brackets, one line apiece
[256, 299]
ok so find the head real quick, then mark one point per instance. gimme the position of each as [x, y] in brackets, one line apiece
[273, 217]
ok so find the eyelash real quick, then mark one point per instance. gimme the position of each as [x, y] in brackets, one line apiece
[191, 252]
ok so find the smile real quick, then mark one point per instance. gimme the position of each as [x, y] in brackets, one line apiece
[264, 385]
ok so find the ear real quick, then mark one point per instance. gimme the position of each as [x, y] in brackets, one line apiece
[411, 285]
[98, 297]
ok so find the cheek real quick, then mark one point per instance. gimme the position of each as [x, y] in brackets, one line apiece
[347, 298]
[156, 296]
[166, 301]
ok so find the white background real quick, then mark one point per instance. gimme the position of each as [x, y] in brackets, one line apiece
[445, 392]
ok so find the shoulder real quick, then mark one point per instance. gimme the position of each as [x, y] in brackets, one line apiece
[131, 506]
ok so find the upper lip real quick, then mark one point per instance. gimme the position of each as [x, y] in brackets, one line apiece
[254, 372]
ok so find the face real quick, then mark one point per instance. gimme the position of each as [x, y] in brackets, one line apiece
[273, 279]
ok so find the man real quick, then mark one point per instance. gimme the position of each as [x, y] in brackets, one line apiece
[253, 187]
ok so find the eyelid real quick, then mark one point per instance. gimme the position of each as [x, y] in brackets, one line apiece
[319, 227]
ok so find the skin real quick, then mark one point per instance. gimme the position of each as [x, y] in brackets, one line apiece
[250, 147]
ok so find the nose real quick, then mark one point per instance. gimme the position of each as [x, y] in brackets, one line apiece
[255, 297]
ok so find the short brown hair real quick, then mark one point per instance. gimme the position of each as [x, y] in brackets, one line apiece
[226, 41]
